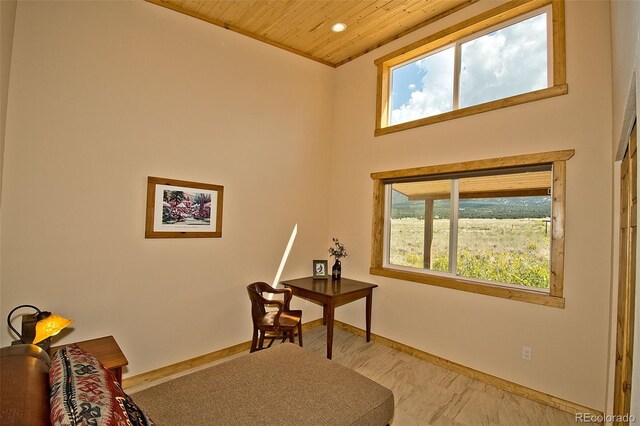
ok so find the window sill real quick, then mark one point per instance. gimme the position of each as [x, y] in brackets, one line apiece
[473, 287]
[550, 92]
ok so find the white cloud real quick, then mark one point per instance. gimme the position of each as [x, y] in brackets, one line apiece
[436, 92]
[505, 63]
[510, 61]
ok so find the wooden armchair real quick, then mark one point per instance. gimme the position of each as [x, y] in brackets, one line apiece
[272, 325]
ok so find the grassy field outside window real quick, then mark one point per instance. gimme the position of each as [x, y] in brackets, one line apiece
[493, 227]
[514, 251]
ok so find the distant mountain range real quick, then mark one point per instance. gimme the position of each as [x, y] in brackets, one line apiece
[475, 208]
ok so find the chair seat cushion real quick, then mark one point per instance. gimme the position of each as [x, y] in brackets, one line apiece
[287, 319]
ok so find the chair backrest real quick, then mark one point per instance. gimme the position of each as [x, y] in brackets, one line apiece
[257, 301]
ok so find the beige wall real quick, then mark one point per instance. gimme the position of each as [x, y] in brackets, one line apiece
[104, 94]
[485, 333]
[7, 25]
[7, 22]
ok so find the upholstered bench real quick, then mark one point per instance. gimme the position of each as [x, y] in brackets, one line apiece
[282, 385]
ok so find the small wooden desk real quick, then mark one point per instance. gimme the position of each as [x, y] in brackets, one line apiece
[331, 294]
[106, 350]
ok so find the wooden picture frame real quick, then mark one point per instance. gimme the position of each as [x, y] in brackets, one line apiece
[320, 269]
[183, 209]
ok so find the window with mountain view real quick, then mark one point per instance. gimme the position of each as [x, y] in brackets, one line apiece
[496, 230]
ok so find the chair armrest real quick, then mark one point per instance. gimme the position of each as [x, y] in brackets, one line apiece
[288, 294]
[281, 308]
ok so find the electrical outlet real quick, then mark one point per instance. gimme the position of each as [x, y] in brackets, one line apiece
[526, 353]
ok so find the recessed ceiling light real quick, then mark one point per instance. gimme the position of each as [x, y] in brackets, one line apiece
[339, 27]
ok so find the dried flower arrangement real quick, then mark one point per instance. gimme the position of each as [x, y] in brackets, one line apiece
[338, 251]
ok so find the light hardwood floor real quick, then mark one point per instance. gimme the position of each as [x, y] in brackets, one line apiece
[425, 394]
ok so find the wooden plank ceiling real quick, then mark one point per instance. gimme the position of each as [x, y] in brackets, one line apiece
[510, 185]
[304, 26]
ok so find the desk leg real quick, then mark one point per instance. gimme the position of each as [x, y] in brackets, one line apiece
[324, 314]
[330, 315]
[369, 297]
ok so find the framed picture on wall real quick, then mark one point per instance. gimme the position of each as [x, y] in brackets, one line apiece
[183, 209]
[320, 269]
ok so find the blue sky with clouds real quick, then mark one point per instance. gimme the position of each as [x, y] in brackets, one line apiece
[504, 63]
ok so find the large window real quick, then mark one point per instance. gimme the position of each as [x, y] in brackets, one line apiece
[507, 56]
[491, 226]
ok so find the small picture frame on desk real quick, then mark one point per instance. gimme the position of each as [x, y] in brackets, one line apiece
[320, 269]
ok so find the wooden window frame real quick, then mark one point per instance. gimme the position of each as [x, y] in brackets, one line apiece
[554, 298]
[463, 30]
